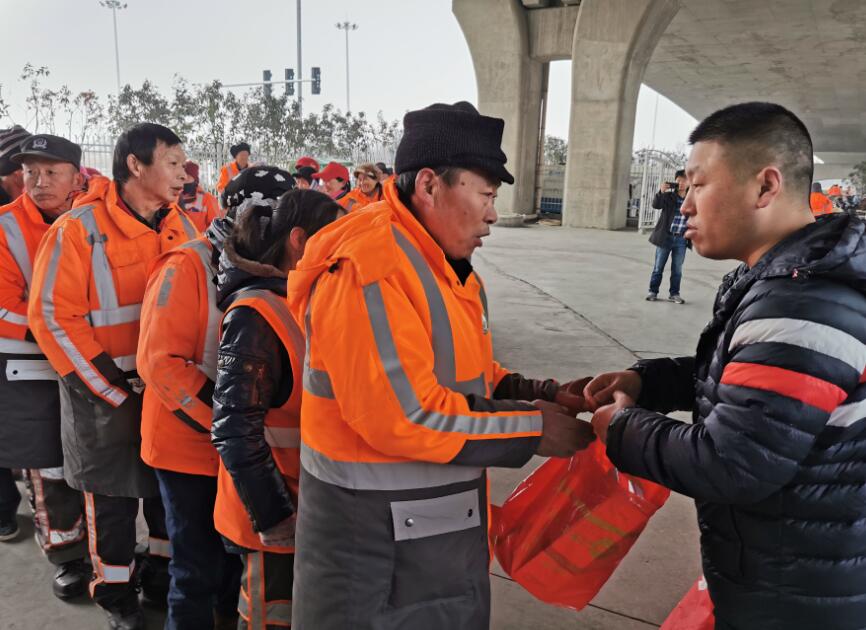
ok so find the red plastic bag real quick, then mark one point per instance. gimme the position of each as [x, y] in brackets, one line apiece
[694, 612]
[567, 526]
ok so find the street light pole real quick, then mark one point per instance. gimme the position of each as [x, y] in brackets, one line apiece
[114, 5]
[347, 26]
[300, 67]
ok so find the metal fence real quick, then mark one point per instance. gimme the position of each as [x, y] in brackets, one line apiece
[99, 154]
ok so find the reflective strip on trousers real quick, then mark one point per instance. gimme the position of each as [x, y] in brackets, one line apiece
[214, 315]
[316, 382]
[384, 475]
[159, 547]
[13, 318]
[17, 245]
[411, 406]
[255, 589]
[283, 437]
[106, 573]
[88, 373]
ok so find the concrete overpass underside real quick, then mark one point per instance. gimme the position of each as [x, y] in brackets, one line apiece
[702, 54]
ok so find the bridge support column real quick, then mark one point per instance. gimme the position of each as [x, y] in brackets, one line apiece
[509, 87]
[613, 42]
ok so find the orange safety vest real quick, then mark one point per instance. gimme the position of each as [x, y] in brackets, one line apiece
[177, 356]
[355, 199]
[227, 173]
[281, 426]
[89, 278]
[203, 210]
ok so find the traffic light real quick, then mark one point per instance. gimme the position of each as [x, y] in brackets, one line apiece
[317, 80]
[290, 82]
[266, 77]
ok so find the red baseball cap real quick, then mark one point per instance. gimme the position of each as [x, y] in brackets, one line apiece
[307, 161]
[333, 170]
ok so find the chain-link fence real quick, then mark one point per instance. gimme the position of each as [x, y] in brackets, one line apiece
[99, 153]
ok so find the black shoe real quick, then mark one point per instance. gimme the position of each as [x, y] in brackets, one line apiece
[8, 529]
[71, 579]
[117, 620]
[126, 614]
[154, 580]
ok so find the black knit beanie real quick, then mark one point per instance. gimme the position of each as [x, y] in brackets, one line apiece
[452, 135]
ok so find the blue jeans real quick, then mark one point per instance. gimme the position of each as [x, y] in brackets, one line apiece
[675, 247]
[204, 576]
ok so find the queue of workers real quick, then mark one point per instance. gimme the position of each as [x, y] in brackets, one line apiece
[305, 401]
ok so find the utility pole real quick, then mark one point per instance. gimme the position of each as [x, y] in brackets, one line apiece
[347, 26]
[115, 5]
[300, 66]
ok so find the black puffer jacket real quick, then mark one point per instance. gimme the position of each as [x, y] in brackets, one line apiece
[776, 457]
[254, 374]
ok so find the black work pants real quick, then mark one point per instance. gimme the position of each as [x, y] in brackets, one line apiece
[111, 538]
[266, 591]
[58, 515]
[9, 495]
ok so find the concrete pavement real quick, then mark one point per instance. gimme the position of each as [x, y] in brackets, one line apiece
[564, 303]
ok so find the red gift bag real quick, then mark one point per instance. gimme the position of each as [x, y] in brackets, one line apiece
[694, 612]
[567, 526]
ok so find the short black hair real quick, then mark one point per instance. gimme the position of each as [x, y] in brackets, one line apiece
[139, 140]
[680, 173]
[758, 134]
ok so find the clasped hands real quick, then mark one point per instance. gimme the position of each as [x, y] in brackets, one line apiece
[604, 395]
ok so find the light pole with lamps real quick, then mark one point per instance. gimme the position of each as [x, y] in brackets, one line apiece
[347, 26]
[114, 5]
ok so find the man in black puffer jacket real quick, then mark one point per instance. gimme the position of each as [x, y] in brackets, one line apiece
[776, 456]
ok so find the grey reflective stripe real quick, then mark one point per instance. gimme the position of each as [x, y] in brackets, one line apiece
[86, 371]
[18, 346]
[482, 293]
[474, 425]
[101, 270]
[128, 314]
[13, 318]
[255, 577]
[165, 288]
[350, 204]
[444, 365]
[317, 382]
[281, 308]
[421, 518]
[278, 613]
[283, 437]
[477, 386]
[17, 245]
[125, 363]
[214, 315]
[188, 227]
[384, 475]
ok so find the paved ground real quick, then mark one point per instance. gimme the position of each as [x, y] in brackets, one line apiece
[565, 303]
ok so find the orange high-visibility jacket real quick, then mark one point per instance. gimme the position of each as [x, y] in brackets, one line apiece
[356, 199]
[835, 191]
[820, 204]
[227, 173]
[281, 426]
[177, 353]
[204, 209]
[393, 391]
[88, 283]
[21, 230]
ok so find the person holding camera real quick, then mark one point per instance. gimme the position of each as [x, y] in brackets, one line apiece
[668, 237]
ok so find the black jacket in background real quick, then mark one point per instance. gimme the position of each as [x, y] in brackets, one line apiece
[254, 374]
[776, 457]
[667, 203]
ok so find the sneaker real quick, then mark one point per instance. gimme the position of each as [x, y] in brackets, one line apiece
[676, 299]
[71, 579]
[8, 529]
[652, 297]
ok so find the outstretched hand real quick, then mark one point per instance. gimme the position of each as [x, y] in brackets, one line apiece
[602, 418]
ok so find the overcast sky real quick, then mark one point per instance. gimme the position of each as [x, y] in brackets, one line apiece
[405, 54]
